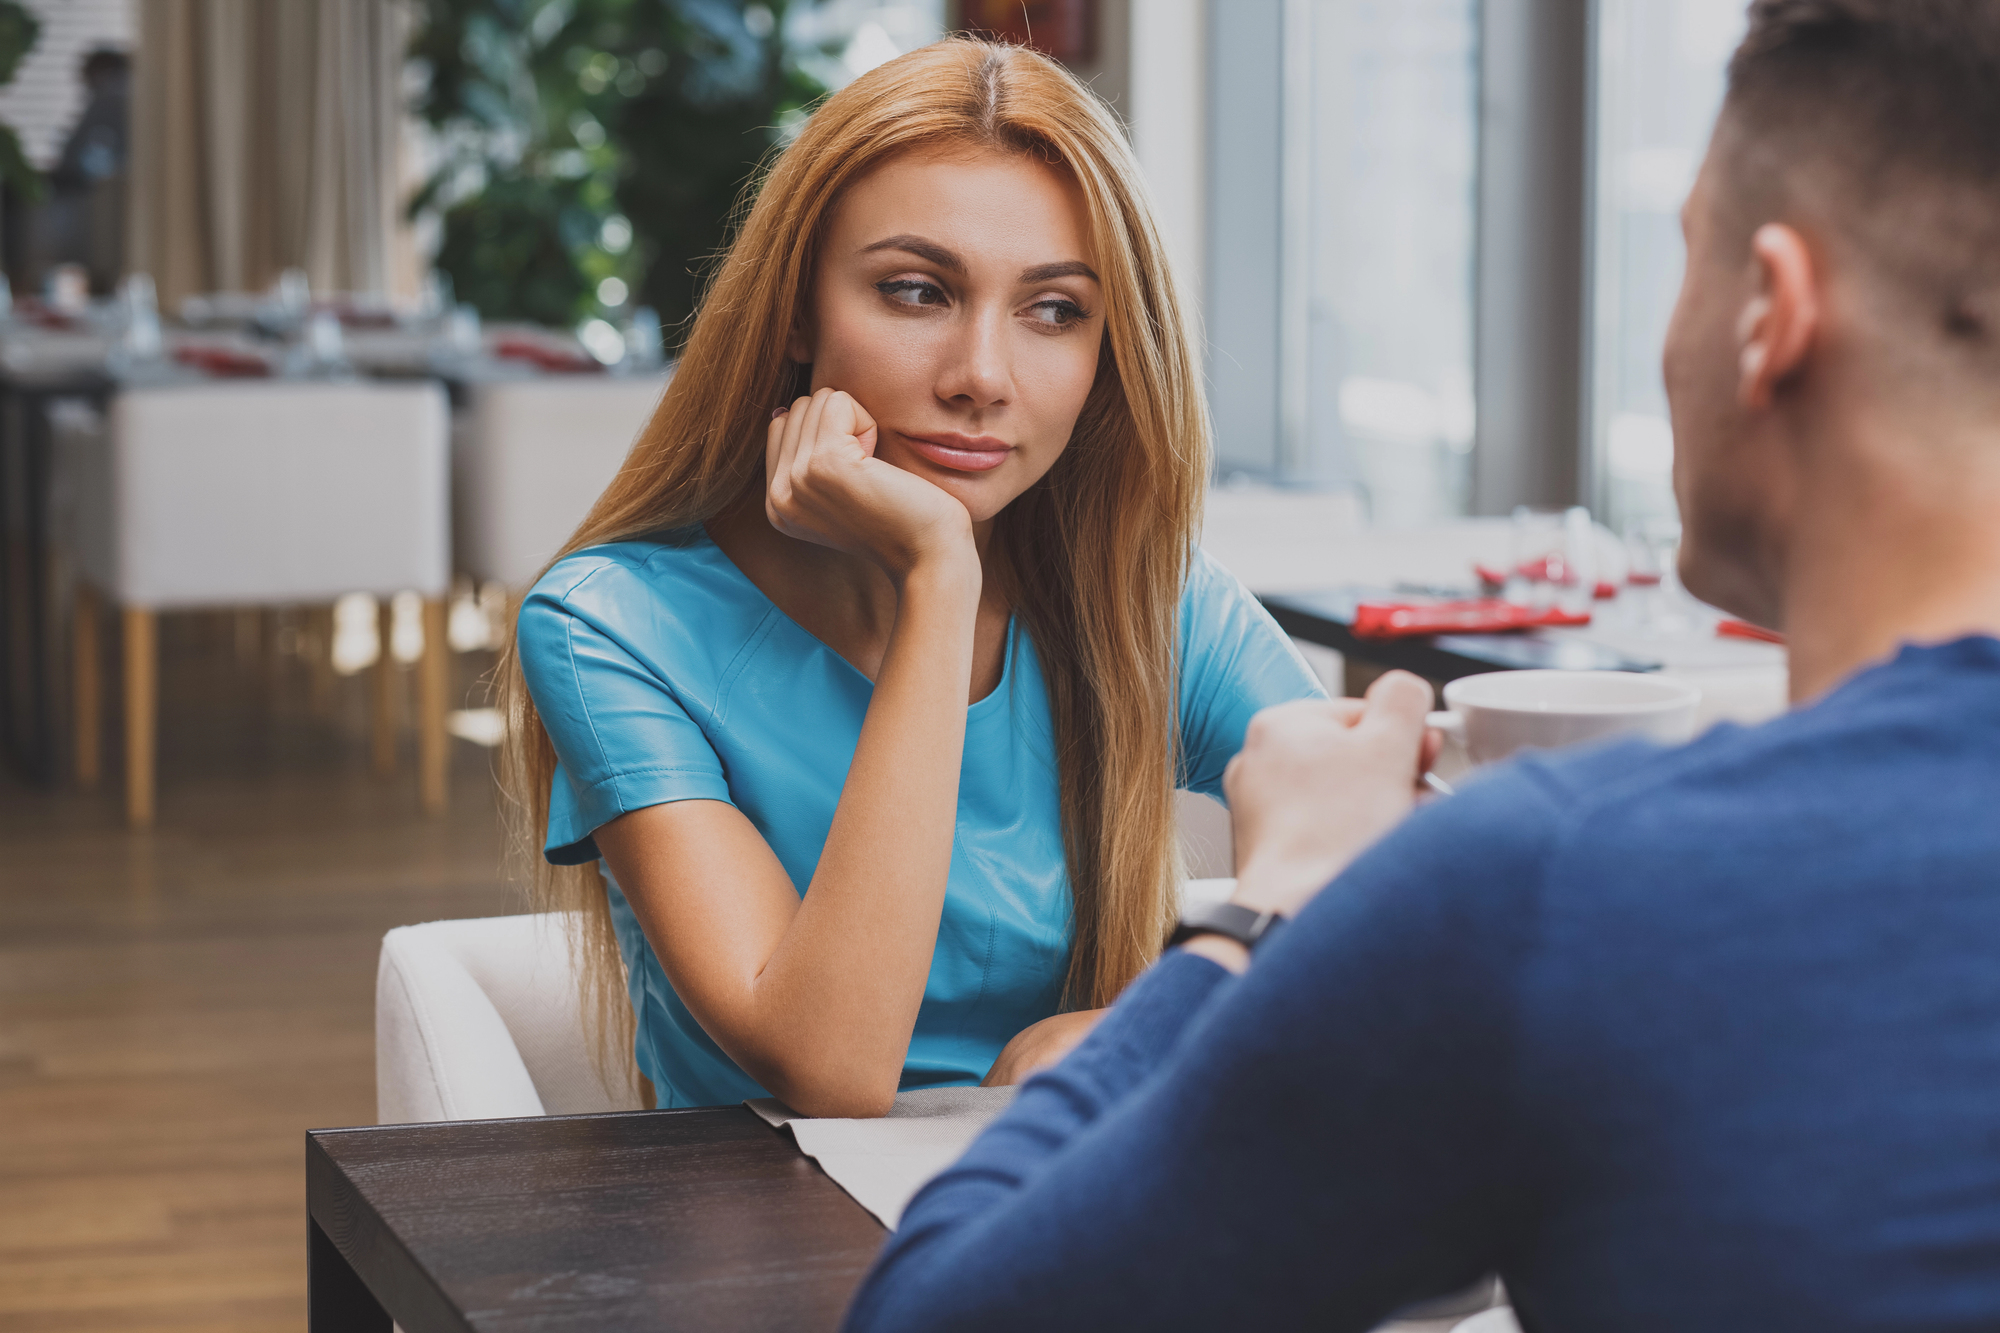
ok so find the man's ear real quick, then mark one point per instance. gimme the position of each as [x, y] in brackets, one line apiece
[1776, 329]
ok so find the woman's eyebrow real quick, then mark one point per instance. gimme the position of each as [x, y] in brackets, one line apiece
[922, 249]
[950, 261]
[1068, 268]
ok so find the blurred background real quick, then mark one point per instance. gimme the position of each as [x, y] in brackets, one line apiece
[381, 290]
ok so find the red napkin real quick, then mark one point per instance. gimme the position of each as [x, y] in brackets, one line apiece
[223, 362]
[1546, 570]
[547, 358]
[1743, 629]
[32, 310]
[1486, 615]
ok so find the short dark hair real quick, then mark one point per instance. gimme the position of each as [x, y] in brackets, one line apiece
[105, 62]
[1895, 106]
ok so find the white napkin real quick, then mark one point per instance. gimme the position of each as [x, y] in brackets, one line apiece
[883, 1163]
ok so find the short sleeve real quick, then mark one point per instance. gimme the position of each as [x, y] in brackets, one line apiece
[1234, 661]
[623, 738]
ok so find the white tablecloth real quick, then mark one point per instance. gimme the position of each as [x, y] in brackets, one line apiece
[883, 1163]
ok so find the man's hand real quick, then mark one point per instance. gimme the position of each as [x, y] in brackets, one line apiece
[1317, 782]
[1039, 1045]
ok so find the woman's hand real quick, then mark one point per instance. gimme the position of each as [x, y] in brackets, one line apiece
[1040, 1045]
[825, 485]
[1317, 782]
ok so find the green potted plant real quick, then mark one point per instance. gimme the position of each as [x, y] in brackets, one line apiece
[595, 149]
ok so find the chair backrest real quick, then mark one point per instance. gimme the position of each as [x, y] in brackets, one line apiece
[1205, 891]
[531, 459]
[267, 492]
[480, 1019]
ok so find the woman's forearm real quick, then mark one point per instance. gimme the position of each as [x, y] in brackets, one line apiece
[832, 1008]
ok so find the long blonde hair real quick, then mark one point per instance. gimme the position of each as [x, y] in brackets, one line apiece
[1099, 547]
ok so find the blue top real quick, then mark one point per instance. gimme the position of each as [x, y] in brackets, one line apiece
[1703, 1039]
[663, 674]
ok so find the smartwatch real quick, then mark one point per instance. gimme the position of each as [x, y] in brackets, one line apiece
[1247, 927]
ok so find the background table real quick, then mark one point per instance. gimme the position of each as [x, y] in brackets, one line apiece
[656, 1220]
[1327, 618]
[1296, 553]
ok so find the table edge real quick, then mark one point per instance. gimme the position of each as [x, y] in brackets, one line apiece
[400, 1284]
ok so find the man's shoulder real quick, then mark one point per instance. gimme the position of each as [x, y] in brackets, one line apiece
[1924, 709]
[1523, 812]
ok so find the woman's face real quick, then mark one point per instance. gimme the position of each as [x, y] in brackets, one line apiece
[956, 301]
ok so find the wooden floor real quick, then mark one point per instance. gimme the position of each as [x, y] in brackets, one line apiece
[178, 1007]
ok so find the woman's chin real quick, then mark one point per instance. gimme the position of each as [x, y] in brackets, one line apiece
[984, 494]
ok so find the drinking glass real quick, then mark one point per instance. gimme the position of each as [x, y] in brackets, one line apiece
[1654, 548]
[1554, 562]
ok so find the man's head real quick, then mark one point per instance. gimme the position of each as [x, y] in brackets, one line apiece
[1843, 279]
[105, 68]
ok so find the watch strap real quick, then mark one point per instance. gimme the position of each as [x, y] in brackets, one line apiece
[1247, 926]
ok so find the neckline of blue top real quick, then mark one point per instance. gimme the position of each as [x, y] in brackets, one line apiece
[985, 703]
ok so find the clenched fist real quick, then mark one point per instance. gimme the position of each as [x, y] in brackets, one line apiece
[825, 485]
[1316, 782]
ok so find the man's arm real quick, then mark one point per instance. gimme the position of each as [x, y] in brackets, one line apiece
[1319, 1141]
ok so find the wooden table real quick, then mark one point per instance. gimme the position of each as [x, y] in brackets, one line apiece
[657, 1220]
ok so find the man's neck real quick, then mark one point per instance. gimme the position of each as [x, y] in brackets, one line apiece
[1905, 549]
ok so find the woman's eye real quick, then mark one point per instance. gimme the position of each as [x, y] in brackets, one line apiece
[1059, 313]
[909, 291]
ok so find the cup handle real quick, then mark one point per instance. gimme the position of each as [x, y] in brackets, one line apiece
[1452, 726]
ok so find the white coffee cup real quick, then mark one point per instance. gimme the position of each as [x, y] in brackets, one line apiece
[1495, 714]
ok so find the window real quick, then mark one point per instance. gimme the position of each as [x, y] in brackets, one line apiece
[1342, 164]
[1383, 306]
[1660, 75]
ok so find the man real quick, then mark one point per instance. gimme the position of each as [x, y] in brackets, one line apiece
[1704, 1039]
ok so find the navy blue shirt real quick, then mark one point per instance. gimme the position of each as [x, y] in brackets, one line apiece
[1704, 1039]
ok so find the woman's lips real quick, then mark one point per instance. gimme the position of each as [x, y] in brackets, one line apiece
[961, 453]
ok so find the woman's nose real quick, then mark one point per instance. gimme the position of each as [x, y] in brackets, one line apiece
[977, 371]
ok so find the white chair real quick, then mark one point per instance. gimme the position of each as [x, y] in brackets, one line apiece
[479, 1020]
[532, 456]
[259, 493]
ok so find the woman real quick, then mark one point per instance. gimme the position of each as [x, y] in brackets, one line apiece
[872, 675]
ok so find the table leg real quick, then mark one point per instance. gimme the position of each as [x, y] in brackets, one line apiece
[433, 684]
[383, 747]
[88, 688]
[142, 695]
[9, 740]
[337, 1301]
[40, 439]
[319, 660]
[27, 649]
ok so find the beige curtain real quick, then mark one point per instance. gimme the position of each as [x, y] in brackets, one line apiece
[265, 136]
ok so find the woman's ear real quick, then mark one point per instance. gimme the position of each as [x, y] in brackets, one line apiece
[799, 347]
